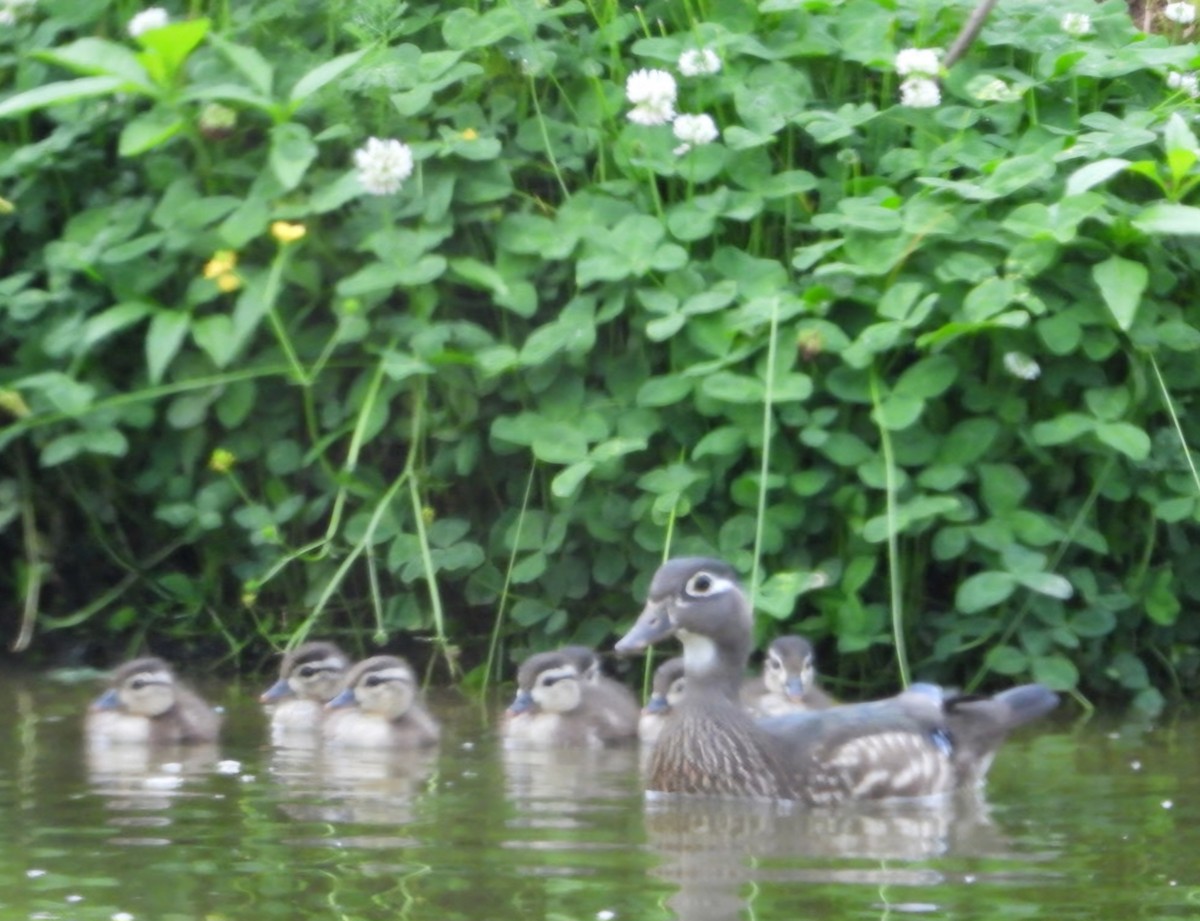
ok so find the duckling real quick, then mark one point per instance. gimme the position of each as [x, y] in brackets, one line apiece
[556, 708]
[788, 680]
[379, 708]
[921, 742]
[309, 677]
[613, 693]
[144, 704]
[666, 693]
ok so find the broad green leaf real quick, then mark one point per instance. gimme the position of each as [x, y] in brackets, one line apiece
[149, 130]
[1182, 151]
[214, 334]
[292, 152]
[1046, 583]
[100, 57]
[1093, 174]
[249, 61]
[1126, 438]
[1122, 283]
[54, 94]
[1056, 672]
[984, 590]
[566, 483]
[168, 47]
[321, 75]
[1007, 660]
[1165, 218]
[1062, 429]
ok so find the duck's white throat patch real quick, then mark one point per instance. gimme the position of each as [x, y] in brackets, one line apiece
[699, 652]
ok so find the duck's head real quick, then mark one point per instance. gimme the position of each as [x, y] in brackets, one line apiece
[789, 668]
[314, 671]
[383, 685]
[700, 601]
[143, 687]
[547, 681]
[586, 662]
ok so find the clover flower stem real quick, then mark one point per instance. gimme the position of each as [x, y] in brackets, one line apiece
[271, 296]
[356, 440]
[537, 107]
[1170, 404]
[896, 587]
[764, 470]
[502, 604]
[414, 493]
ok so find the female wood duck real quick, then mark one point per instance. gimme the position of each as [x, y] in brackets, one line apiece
[918, 743]
[379, 708]
[556, 708]
[788, 682]
[144, 704]
[309, 677]
[666, 693]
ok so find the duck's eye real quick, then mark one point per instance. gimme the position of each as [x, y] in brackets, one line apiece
[700, 584]
[373, 681]
[306, 671]
[138, 683]
[546, 680]
[774, 665]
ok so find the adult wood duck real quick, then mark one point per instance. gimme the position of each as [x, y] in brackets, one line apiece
[379, 708]
[788, 682]
[309, 677]
[556, 707]
[666, 693]
[145, 704]
[918, 743]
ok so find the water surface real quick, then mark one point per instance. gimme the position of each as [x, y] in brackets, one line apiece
[1096, 820]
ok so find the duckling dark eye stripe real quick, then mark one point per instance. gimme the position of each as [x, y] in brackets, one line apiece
[150, 678]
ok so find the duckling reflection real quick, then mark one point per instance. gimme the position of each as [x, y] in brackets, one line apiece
[711, 848]
[309, 677]
[556, 787]
[145, 705]
[788, 683]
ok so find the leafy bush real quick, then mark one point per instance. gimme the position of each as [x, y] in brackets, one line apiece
[920, 370]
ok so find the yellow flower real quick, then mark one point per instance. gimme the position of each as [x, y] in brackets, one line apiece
[287, 233]
[221, 460]
[14, 403]
[228, 282]
[222, 263]
[470, 134]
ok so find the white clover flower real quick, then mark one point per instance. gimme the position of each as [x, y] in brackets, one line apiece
[652, 93]
[1018, 364]
[153, 17]
[920, 93]
[1076, 23]
[1183, 13]
[1186, 82]
[923, 61]
[13, 10]
[383, 165]
[699, 62]
[694, 130]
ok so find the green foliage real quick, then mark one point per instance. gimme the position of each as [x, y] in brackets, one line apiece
[916, 371]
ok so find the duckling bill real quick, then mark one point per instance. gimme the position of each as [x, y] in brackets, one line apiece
[921, 742]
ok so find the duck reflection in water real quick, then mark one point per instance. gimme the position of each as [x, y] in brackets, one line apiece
[711, 848]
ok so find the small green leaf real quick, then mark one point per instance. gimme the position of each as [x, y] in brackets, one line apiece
[149, 130]
[325, 73]
[1046, 583]
[292, 152]
[1126, 438]
[1122, 283]
[54, 94]
[1056, 672]
[1166, 218]
[1007, 660]
[984, 590]
[1093, 174]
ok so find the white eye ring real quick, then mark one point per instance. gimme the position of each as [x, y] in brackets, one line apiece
[704, 585]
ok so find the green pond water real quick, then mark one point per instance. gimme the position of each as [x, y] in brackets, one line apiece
[1088, 820]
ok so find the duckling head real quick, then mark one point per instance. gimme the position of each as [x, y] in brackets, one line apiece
[143, 687]
[666, 693]
[549, 682]
[586, 662]
[383, 685]
[314, 671]
[789, 669]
